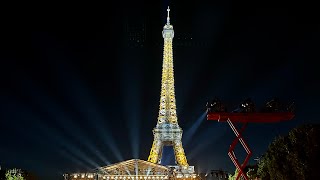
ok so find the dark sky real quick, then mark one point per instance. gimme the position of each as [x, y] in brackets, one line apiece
[76, 92]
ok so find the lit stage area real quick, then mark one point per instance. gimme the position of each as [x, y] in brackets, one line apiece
[135, 169]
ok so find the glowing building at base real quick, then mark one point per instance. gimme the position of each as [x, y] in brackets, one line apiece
[166, 133]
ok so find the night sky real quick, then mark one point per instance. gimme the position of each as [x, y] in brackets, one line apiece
[77, 92]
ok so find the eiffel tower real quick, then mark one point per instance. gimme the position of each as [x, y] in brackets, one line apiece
[167, 131]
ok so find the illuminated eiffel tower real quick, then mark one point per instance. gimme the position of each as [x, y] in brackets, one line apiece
[167, 131]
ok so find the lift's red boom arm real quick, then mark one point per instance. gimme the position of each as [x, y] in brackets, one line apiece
[255, 117]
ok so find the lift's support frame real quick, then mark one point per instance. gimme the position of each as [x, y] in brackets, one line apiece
[245, 118]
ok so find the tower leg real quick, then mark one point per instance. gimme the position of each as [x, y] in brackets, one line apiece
[156, 152]
[179, 153]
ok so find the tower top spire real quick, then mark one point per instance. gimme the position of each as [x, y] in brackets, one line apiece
[168, 17]
[168, 28]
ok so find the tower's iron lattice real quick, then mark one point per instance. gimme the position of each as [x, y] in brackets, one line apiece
[167, 131]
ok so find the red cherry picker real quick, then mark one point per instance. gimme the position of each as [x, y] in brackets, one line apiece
[244, 114]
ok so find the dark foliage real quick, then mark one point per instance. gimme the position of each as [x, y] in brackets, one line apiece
[293, 156]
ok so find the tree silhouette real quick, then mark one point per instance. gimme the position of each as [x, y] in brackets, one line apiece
[293, 156]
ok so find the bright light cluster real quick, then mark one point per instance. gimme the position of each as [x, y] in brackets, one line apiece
[83, 175]
[135, 177]
[183, 176]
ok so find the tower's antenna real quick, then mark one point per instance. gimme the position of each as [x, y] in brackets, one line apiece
[168, 17]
